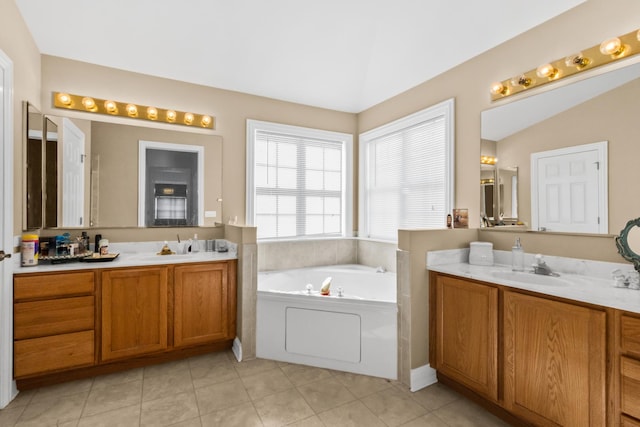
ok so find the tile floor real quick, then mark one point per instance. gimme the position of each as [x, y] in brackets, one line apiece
[215, 390]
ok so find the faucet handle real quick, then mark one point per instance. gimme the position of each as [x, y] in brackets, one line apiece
[539, 259]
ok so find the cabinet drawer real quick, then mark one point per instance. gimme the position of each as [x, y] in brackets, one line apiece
[52, 285]
[41, 355]
[630, 334]
[51, 317]
[630, 386]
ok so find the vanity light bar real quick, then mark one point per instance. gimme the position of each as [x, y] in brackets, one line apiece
[133, 111]
[608, 51]
[488, 160]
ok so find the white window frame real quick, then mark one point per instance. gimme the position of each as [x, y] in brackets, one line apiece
[444, 108]
[346, 139]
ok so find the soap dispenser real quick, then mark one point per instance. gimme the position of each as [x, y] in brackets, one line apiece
[195, 244]
[517, 256]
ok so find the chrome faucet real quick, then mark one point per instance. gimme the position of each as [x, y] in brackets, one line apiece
[541, 267]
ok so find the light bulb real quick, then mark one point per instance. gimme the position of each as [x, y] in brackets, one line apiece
[171, 115]
[521, 80]
[612, 46]
[111, 107]
[64, 98]
[132, 110]
[89, 103]
[577, 60]
[547, 70]
[497, 88]
[152, 113]
[188, 118]
[206, 121]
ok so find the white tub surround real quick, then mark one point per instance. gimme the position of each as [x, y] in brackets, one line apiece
[580, 280]
[355, 332]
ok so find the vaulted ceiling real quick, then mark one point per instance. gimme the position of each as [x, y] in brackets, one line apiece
[345, 55]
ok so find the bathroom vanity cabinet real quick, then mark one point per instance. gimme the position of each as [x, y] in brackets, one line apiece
[134, 311]
[467, 333]
[74, 324]
[534, 359]
[629, 357]
[203, 302]
[53, 320]
[554, 361]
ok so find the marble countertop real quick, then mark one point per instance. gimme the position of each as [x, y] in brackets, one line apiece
[579, 280]
[130, 255]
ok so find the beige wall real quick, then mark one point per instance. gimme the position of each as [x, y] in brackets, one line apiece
[231, 110]
[611, 117]
[16, 42]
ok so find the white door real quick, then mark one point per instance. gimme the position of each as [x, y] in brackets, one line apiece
[569, 190]
[7, 386]
[73, 175]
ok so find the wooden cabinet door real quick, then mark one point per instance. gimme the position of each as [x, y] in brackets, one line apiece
[202, 304]
[134, 311]
[467, 333]
[554, 361]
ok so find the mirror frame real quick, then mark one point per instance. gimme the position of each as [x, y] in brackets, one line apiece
[622, 244]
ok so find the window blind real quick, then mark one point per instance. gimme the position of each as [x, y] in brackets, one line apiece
[407, 177]
[299, 186]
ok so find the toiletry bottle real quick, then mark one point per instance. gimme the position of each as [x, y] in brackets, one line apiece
[517, 256]
[195, 245]
[96, 245]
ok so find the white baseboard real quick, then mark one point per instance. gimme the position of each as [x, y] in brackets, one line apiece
[422, 377]
[237, 349]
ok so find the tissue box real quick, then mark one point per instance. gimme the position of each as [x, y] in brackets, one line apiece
[481, 253]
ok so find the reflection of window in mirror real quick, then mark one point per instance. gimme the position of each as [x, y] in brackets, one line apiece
[171, 184]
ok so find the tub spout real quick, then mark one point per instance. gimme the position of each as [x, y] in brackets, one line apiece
[381, 269]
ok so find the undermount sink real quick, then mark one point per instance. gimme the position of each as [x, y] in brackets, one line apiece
[530, 278]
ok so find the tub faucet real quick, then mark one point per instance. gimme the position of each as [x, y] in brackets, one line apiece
[541, 267]
[381, 269]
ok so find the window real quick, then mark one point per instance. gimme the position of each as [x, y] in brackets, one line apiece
[406, 173]
[298, 181]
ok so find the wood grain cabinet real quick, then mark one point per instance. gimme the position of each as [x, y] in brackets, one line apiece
[554, 361]
[81, 323]
[53, 322]
[134, 311]
[467, 333]
[629, 368]
[536, 360]
[204, 304]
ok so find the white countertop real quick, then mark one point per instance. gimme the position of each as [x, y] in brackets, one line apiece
[130, 255]
[594, 287]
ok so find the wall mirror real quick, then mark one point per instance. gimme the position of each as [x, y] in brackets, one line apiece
[599, 106]
[40, 186]
[94, 174]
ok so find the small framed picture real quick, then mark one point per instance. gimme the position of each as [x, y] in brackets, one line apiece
[461, 218]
